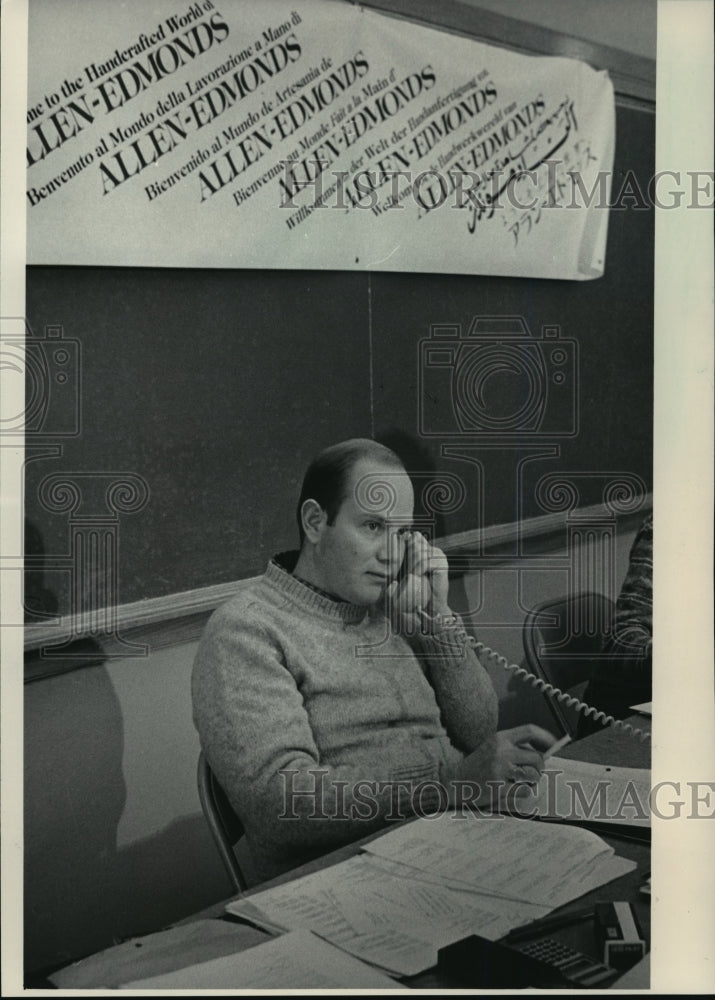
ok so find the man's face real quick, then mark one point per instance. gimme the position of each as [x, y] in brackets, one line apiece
[362, 550]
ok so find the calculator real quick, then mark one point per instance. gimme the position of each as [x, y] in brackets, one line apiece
[477, 961]
[574, 965]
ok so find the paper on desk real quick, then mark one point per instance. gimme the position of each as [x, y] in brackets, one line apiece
[395, 904]
[429, 900]
[317, 902]
[377, 910]
[601, 871]
[435, 914]
[298, 960]
[294, 905]
[387, 947]
[573, 790]
[501, 855]
[156, 953]
[422, 876]
[381, 898]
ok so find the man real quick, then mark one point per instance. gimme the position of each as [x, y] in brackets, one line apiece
[339, 692]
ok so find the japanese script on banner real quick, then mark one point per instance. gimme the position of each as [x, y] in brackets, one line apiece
[308, 134]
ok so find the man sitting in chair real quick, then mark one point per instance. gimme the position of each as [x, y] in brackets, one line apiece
[339, 692]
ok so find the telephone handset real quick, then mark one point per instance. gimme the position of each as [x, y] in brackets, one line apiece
[579, 706]
[571, 702]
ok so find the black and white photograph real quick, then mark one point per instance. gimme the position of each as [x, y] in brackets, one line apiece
[357, 496]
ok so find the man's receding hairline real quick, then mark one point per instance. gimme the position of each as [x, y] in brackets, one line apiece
[361, 448]
[389, 468]
[339, 461]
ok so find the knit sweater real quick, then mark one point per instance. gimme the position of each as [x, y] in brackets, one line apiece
[294, 692]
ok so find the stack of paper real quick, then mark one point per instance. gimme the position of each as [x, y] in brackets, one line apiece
[433, 881]
[542, 864]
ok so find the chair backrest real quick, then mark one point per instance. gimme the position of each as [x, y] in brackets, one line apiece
[225, 826]
[563, 638]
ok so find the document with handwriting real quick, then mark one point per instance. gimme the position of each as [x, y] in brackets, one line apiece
[383, 912]
[298, 960]
[434, 881]
[543, 863]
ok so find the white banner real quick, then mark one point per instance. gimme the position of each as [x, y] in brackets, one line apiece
[312, 134]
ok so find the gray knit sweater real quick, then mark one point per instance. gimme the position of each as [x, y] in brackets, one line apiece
[295, 692]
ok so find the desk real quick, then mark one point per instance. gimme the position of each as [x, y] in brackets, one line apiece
[614, 746]
[208, 935]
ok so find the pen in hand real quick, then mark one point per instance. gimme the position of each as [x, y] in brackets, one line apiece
[556, 746]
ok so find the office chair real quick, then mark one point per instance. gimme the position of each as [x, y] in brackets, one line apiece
[563, 638]
[225, 826]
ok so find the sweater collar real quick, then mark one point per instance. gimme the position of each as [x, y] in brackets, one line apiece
[309, 597]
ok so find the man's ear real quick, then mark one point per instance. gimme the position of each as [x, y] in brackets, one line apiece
[314, 519]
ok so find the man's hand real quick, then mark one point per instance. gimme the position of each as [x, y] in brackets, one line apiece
[423, 583]
[519, 755]
[518, 759]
